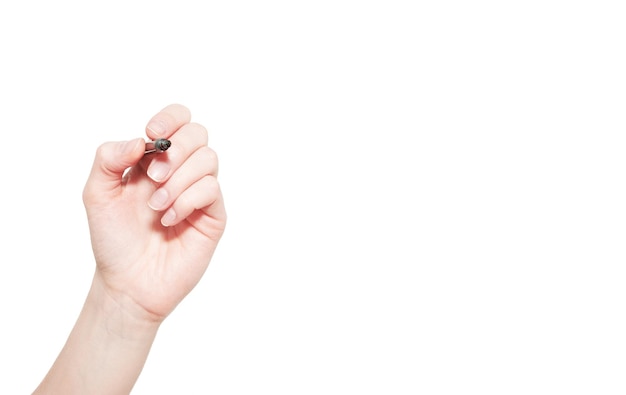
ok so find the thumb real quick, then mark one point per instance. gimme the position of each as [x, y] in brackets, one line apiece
[111, 160]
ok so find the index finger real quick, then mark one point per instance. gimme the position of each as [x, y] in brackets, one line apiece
[167, 121]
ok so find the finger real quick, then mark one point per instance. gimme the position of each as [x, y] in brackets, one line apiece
[201, 163]
[203, 197]
[185, 142]
[110, 162]
[167, 121]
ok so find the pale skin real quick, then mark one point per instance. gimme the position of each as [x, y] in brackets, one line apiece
[155, 221]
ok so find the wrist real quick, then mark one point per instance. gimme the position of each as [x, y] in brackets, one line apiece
[119, 313]
[106, 349]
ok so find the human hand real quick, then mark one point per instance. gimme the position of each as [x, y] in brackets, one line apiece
[155, 220]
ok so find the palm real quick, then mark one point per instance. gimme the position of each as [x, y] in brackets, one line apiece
[154, 265]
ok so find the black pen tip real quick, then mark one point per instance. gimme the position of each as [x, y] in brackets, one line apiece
[162, 144]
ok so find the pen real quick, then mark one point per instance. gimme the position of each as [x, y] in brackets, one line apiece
[160, 145]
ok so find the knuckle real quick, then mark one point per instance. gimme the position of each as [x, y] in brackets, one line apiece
[201, 132]
[210, 155]
[212, 185]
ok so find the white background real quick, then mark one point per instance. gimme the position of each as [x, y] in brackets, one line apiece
[423, 197]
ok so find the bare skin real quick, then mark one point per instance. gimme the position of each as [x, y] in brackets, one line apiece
[155, 221]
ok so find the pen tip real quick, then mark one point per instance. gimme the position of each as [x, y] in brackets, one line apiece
[162, 144]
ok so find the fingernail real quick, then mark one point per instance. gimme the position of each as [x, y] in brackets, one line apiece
[168, 218]
[158, 170]
[158, 199]
[157, 127]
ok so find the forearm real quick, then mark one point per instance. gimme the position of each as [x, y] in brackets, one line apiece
[105, 351]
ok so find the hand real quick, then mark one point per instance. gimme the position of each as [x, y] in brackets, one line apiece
[155, 220]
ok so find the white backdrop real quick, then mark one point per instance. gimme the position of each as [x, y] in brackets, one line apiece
[423, 197]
